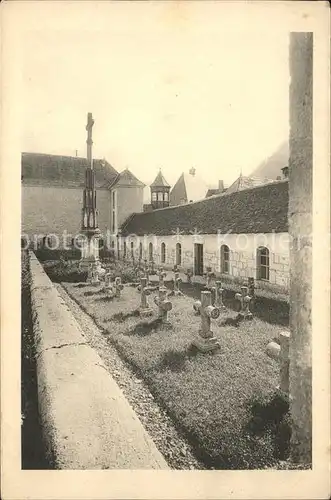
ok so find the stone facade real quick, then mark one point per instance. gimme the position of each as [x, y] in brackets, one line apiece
[242, 255]
[52, 210]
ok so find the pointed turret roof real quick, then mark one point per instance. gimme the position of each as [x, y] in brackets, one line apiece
[160, 181]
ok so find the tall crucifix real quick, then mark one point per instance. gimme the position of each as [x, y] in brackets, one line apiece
[89, 228]
[89, 142]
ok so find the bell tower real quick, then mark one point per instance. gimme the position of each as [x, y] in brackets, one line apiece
[160, 190]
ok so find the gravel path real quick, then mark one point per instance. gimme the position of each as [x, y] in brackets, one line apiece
[174, 448]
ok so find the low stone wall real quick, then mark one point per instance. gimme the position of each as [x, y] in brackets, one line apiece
[87, 422]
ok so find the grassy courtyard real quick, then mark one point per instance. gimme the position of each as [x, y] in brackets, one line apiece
[225, 402]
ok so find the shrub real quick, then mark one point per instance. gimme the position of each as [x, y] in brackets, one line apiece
[63, 270]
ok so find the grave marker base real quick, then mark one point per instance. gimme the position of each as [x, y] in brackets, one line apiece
[206, 344]
[145, 312]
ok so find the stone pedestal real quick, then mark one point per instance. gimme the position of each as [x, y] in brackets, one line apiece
[89, 252]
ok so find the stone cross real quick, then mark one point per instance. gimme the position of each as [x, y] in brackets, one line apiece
[146, 270]
[189, 274]
[151, 268]
[280, 352]
[118, 287]
[108, 280]
[206, 341]
[95, 276]
[244, 299]
[89, 142]
[218, 295]
[208, 274]
[162, 275]
[177, 280]
[164, 305]
[144, 309]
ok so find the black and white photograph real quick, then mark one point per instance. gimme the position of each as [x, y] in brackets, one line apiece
[166, 188]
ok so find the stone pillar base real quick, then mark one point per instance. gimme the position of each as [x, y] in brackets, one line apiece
[206, 344]
[145, 312]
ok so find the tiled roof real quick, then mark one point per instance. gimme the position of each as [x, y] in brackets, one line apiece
[244, 182]
[126, 178]
[212, 192]
[65, 171]
[262, 209]
[160, 181]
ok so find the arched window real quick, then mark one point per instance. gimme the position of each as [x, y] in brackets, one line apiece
[132, 251]
[151, 251]
[178, 254]
[160, 196]
[262, 263]
[140, 250]
[225, 259]
[166, 196]
[153, 196]
[163, 253]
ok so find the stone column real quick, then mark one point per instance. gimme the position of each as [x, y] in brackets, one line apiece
[300, 230]
[89, 229]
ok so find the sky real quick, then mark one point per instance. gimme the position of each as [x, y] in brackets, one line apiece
[184, 86]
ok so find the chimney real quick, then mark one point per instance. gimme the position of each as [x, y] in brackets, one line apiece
[221, 186]
[285, 172]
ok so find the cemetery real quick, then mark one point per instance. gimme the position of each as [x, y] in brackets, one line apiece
[206, 363]
[215, 356]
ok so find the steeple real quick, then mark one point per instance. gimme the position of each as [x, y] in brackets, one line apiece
[160, 192]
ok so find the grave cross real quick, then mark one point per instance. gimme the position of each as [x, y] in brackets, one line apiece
[151, 266]
[144, 309]
[177, 280]
[218, 295]
[109, 285]
[164, 305]
[206, 341]
[244, 299]
[108, 280]
[162, 275]
[209, 275]
[95, 276]
[189, 274]
[280, 352]
[146, 270]
[118, 287]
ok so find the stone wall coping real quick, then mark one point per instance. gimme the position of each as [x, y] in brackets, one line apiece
[86, 420]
